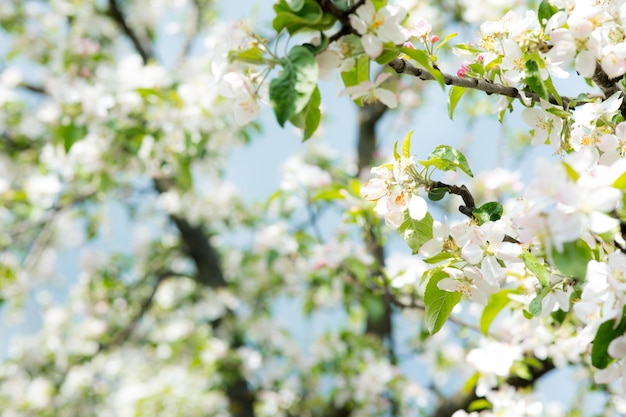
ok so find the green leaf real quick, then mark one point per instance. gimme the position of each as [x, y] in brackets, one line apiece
[358, 73]
[536, 268]
[620, 182]
[309, 118]
[388, 54]
[396, 155]
[296, 5]
[378, 4]
[533, 79]
[535, 305]
[440, 257]
[545, 12]
[446, 40]
[308, 16]
[553, 92]
[438, 303]
[436, 194]
[70, 134]
[479, 404]
[495, 304]
[184, 179]
[291, 91]
[424, 60]
[467, 49]
[416, 232]
[491, 211]
[571, 172]
[607, 332]
[406, 145]
[374, 305]
[573, 260]
[328, 194]
[252, 55]
[454, 97]
[446, 158]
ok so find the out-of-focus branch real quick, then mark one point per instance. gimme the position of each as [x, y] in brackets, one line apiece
[197, 246]
[125, 333]
[209, 272]
[115, 12]
[367, 146]
[32, 88]
[196, 25]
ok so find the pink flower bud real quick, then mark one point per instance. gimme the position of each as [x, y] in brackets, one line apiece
[461, 72]
[434, 39]
[480, 58]
[409, 45]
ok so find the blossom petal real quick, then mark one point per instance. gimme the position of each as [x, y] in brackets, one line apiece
[417, 207]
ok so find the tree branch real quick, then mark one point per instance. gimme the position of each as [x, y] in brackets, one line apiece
[193, 32]
[197, 246]
[209, 272]
[468, 199]
[402, 66]
[124, 334]
[116, 14]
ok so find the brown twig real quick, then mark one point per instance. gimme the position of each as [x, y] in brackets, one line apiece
[403, 66]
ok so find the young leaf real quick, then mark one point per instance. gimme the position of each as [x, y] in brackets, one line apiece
[454, 97]
[573, 260]
[446, 158]
[406, 145]
[536, 268]
[396, 155]
[441, 257]
[495, 304]
[252, 55]
[416, 232]
[446, 40]
[291, 91]
[620, 182]
[607, 332]
[491, 211]
[438, 303]
[422, 58]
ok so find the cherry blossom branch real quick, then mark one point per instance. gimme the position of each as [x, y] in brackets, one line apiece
[116, 14]
[402, 66]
